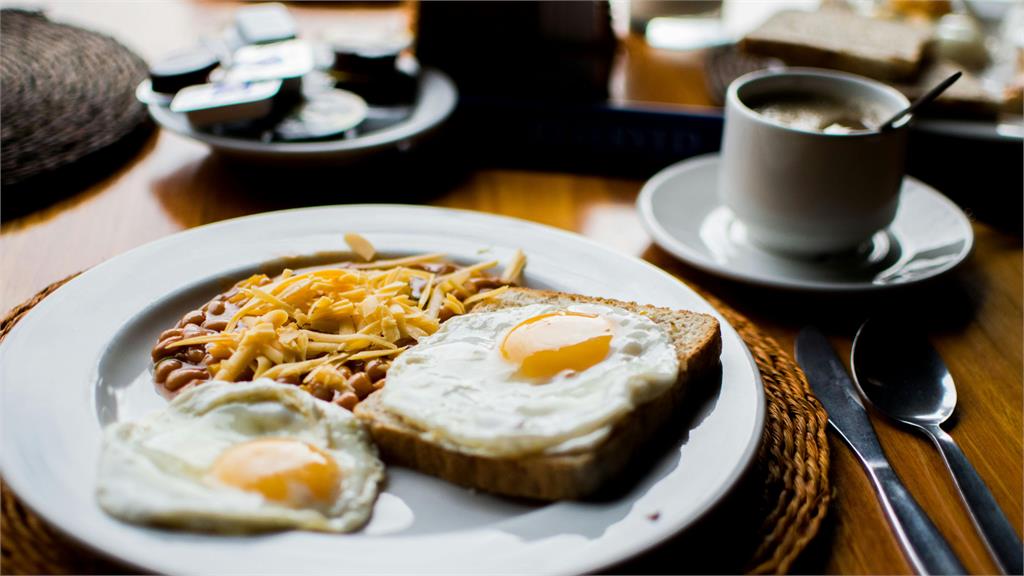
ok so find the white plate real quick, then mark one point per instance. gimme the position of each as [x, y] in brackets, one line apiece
[80, 358]
[681, 210]
[435, 100]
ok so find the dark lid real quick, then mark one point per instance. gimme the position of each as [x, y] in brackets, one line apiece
[370, 57]
[181, 69]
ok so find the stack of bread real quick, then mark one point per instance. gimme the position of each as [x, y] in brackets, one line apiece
[906, 48]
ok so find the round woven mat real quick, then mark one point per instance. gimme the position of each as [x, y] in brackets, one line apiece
[792, 466]
[68, 96]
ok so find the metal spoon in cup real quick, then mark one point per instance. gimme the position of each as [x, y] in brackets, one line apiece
[921, 101]
[905, 379]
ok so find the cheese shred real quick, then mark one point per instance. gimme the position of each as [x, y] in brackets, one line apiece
[307, 326]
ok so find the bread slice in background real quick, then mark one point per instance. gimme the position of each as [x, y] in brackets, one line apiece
[842, 40]
[967, 97]
[565, 475]
[888, 50]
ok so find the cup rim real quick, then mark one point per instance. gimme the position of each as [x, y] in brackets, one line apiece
[732, 96]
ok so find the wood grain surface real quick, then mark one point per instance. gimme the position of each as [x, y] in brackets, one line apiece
[974, 316]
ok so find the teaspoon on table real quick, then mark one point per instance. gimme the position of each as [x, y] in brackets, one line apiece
[905, 378]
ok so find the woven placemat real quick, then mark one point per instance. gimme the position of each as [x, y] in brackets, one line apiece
[68, 98]
[792, 466]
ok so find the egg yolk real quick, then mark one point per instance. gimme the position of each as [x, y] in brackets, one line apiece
[545, 345]
[285, 471]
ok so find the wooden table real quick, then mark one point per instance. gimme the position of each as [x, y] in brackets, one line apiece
[974, 316]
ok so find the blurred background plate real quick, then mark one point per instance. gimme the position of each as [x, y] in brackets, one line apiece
[435, 100]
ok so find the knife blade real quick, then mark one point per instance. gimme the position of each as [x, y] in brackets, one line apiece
[923, 544]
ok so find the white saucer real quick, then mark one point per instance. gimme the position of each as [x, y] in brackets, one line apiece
[680, 208]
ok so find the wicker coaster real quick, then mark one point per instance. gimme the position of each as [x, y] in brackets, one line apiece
[792, 467]
[68, 101]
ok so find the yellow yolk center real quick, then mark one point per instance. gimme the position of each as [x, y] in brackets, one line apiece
[545, 345]
[285, 471]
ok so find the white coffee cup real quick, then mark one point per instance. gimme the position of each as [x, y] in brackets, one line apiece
[805, 192]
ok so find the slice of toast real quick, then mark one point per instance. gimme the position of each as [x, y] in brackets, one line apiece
[564, 475]
[842, 40]
[968, 97]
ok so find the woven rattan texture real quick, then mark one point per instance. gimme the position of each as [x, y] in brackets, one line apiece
[792, 465]
[67, 94]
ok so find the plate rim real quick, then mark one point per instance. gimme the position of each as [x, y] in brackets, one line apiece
[17, 482]
[391, 136]
[668, 242]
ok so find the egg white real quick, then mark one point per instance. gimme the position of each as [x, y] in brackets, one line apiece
[151, 471]
[456, 386]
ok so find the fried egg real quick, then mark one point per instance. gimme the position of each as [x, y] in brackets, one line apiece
[531, 379]
[241, 457]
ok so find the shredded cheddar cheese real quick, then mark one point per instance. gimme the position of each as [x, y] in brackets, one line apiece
[360, 246]
[307, 326]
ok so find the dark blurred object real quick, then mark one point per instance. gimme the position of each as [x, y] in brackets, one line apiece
[375, 68]
[985, 176]
[69, 110]
[540, 50]
[368, 58]
[395, 89]
[607, 139]
[264, 23]
[533, 91]
[183, 68]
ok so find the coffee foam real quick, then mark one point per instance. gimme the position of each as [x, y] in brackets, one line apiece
[819, 112]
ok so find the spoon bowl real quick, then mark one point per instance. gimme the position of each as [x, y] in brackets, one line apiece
[903, 377]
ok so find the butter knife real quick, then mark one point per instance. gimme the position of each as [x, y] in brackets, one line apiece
[924, 546]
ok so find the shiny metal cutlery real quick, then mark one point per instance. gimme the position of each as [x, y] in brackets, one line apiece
[924, 546]
[900, 373]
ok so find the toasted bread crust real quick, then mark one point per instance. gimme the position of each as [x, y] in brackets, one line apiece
[841, 40]
[572, 475]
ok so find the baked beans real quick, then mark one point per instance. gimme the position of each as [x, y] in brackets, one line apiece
[178, 367]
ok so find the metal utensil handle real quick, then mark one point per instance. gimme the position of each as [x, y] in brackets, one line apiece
[927, 550]
[995, 528]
